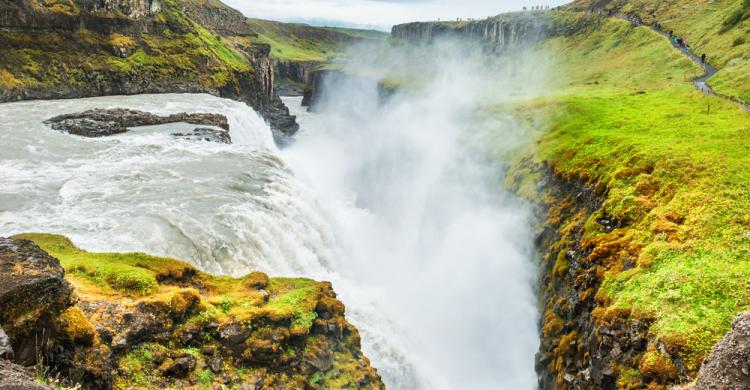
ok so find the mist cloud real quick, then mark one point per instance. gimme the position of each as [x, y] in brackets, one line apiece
[412, 186]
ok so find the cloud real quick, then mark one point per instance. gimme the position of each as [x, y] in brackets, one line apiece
[379, 13]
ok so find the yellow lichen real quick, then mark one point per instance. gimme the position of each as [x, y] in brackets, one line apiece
[7, 80]
[120, 40]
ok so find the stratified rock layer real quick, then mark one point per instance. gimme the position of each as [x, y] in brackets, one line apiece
[500, 32]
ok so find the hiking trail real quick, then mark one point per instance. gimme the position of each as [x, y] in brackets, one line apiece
[701, 82]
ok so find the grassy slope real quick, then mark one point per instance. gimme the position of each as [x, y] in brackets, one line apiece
[719, 28]
[300, 42]
[625, 117]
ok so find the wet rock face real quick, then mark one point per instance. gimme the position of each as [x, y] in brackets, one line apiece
[15, 377]
[33, 293]
[206, 134]
[728, 365]
[105, 122]
[294, 77]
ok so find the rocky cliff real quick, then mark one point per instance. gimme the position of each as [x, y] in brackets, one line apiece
[67, 49]
[294, 77]
[500, 32]
[583, 346]
[106, 321]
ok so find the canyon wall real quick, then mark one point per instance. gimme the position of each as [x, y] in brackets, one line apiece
[584, 342]
[500, 32]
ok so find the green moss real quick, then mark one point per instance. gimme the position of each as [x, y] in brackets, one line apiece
[294, 299]
[135, 273]
[137, 366]
[205, 378]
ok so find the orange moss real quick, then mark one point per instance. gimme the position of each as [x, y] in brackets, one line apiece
[178, 303]
[120, 40]
[77, 327]
[553, 324]
[656, 366]
[567, 342]
[257, 280]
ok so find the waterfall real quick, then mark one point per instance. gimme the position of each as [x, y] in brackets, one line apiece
[400, 204]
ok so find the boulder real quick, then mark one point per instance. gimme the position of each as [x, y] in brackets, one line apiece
[180, 367]
[105, 122]
[33, 293]
[15, 377]
[728, 365]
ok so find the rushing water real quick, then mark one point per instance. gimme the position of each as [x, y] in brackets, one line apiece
[397, 204]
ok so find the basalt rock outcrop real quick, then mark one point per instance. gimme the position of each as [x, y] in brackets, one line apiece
[498, 33]
[136, 321]
[104, 122]
[728, 365]
[15, 377]
[294, 77]
[77, 48]
[582, 345]
[206, 134]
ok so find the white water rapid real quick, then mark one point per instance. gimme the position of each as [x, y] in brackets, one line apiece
[399, 204]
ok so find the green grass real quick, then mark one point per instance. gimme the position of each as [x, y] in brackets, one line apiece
[299, 42]
[623, 114]
[717, 28]
[55, 62]
[222, 50]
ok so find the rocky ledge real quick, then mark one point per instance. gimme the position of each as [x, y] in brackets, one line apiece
[15, 377]
[102, 321]
[105, 122]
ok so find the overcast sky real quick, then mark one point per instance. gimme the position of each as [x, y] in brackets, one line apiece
[378, 13]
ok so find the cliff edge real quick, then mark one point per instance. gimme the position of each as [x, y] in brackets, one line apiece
[130, 320]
